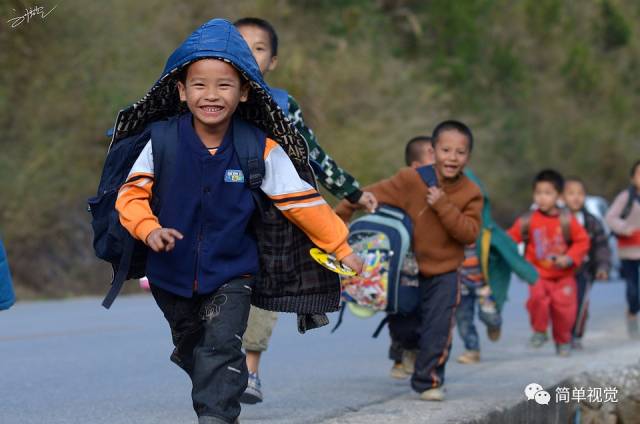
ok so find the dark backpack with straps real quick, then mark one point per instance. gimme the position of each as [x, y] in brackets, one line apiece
[111, 241]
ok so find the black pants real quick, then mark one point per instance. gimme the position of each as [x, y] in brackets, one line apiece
[405, 334]
[207, 334]
[584, 283]
[631, 277]
[439, 296]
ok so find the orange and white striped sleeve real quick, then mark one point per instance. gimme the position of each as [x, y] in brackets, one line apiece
[133, 203]
[301, 204]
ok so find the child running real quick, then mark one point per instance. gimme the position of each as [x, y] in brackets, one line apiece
[445, 218]
[598, 262]
[262, 39]
[556, 244]
[205, 253]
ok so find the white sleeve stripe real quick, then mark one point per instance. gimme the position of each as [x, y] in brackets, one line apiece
[281, 177]
[301, 205]
[144, 163]
[143, 181]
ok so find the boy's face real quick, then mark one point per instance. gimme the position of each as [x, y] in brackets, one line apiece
[260, 44]
[426, 156]
[574, 195]
[545, 196]
[212, 90]
[451, 153]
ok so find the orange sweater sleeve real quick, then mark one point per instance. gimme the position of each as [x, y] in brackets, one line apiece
[133, 198]
[301, 204]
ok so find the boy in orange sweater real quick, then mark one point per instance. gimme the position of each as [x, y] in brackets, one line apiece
[556, 244]
[446, 217]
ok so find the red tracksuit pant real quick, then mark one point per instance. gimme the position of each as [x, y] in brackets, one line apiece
[555, 300]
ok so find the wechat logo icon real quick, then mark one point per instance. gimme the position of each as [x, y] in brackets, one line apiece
[534, 391]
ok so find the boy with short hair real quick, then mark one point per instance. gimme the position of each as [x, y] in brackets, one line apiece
[203, 255]
[556, 244]
[445, 217]
[262, 39]
[597, 263]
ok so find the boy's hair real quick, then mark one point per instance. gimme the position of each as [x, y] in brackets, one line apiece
[263, 25]
[411, 151]
[634, 168]
[452, 125]
[574, 179]
[550, 176]
[182, 73]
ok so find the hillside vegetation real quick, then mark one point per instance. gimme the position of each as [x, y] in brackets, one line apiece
[543, 83]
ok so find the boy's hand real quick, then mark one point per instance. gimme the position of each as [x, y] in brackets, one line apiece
[369, 201]
[563, 261]
[163, 239]
[434, 194]
[354, 262]
[602, 275]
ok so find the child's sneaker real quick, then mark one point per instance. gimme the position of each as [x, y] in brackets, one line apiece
[398, 372]
[494, 333]
[563, 349]
[435, 394]
[538, 339]
[576, 343]
[253, 393]
[409, 360]
[469, 357]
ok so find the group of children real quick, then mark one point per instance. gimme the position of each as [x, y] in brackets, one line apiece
[209, 226]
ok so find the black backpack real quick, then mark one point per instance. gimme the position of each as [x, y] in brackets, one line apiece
[111, 241]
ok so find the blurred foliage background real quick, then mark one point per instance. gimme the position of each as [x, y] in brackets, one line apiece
[543, 83]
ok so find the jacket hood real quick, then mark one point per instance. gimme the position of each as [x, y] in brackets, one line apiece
[217, 39]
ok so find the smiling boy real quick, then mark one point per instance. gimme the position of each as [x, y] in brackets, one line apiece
[445, 217]
[206, 241]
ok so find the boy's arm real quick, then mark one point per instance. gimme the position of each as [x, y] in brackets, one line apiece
[300, 203]
[515, 232]
[464, 226]
[579, 242]
[391, 191]
[133, 198]
[335, 179]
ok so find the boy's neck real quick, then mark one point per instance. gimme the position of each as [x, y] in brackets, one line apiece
[447, 181]
[211, 136]
[552, 211]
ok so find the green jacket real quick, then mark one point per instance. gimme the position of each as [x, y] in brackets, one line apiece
[498, 253]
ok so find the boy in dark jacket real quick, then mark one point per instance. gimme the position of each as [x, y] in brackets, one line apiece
[204, 255]
[598, 262]
[263, 42]
[445, 217]
[556, 244]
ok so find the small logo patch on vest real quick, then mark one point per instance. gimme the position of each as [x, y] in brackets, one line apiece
[233, 176]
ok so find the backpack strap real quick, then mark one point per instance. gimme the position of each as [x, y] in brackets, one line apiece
[428, 175]
[164, 143]
[626, 211]
[120, 272]
[384, 322]
[343, 306]
[249, 143]
[565, 225]
[525, 227]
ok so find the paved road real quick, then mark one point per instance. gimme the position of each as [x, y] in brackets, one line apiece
[74, 362]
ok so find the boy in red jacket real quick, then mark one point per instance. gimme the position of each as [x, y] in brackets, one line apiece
[556, 244]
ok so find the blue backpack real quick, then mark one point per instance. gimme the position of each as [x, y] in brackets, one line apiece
[389, 280]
